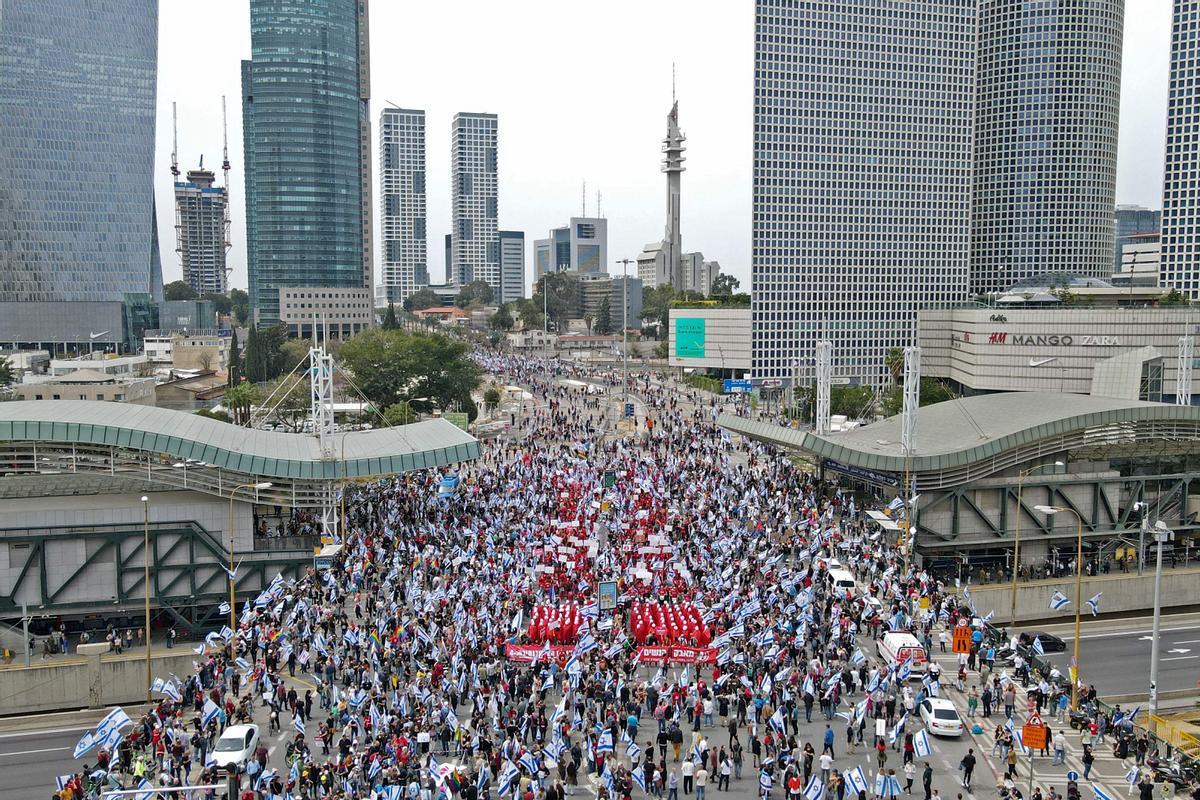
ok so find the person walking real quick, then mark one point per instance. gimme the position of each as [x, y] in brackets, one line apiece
[688, 771]
[726, 769]
[828, 748]
[910, 771]
[927, 780]
[968, 767]
[701, 782]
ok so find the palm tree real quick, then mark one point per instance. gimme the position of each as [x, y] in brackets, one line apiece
[894, 361]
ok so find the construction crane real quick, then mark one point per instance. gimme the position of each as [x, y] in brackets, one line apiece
[174, 143]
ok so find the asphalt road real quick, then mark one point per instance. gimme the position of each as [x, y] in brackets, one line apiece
[1117, 661]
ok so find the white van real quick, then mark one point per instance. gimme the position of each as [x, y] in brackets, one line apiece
[843, 581]
[896, 647]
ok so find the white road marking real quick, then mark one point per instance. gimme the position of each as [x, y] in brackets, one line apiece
[1179, 658]
[1188, 641]
[31, 752]
[1180, 650]
[42, 732]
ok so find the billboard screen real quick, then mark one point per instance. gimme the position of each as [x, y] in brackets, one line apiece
[689, 337]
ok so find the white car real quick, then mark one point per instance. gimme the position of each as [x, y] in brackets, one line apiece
[940, 717]
[236, 745]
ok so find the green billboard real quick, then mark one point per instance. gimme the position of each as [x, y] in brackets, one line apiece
[689, 337]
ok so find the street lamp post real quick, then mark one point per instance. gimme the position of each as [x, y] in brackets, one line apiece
[625, 262]
[1078, 596]
[1012, 611]
[1161, 534]
[146, 585]
[232, 570]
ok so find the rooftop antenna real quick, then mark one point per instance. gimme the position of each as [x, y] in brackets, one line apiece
[672, 83]
[583, 197]
[599, 213]
[174, 142]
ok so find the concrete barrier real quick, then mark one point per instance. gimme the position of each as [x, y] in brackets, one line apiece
[92, 681]
[1123, 594]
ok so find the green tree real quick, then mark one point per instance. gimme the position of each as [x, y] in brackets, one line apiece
[399, 414]
[6, 371]
[235, 361]
[589, 319]
[221, 303]
[656, 304]
[417, 301]
[502, 320]
[530, 314]
[894, 361]
[390, 323]
[723, 285]
[265, 357]
[239, 303]
[240, 399]
[1174, 298]
[474, 295]
[932, 391]
[492, 396]
[290, 399]
[561, 299]
[178, 290]
[429, 370]
[604, 324]
[294, 351]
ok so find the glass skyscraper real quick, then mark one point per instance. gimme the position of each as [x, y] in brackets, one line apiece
[77, 113]
[862, 177]
[1047, 109]
[1180, 260]
[305, 98]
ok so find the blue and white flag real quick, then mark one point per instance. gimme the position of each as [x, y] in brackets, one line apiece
[634, 752]
[859, 658]
[639, 777]
[86, 743]
[508, 777]
[114, 720]
[815, 790]
[904, 672]
[1094, 603]
[857, 781]
[1037, 646]
[886, 785]
[146, 788]
[921, 745]
[62, 780]
[211, 712]
[778, 723]
[1100, 793]
[223, 608]
[605, 745]
[1132, 776]
[298, 724]
[528, 762]
[1059, 601]
[765, 782]
[899, 728]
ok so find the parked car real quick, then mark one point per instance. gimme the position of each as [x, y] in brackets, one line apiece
[235, 746]
[940, 717]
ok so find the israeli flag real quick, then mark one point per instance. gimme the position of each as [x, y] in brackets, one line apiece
[86, 743]
[1100, 793]
[223, 608]
[859, 658]
[921, 745]
[765, 782]
[298, 724]
[62, 780]
[146, 788]
[114, 720]
[1059, 601]
[1094, 603]
[639, 777]
[528, 762]
[586, 644]
[899, 728]
[605, 745]
[211, 711]
[905, 671]
[815, 790]
[1037, 646]
[857, 781]
[633, 751]
[508, 776]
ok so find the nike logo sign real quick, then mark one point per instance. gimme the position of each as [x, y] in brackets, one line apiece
[1033, 362]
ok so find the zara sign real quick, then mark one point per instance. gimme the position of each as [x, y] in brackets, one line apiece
[1053, 340]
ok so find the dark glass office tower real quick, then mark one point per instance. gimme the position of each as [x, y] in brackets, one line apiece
[305, 94]
[77, 112]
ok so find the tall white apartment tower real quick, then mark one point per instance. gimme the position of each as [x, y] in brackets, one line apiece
[1180, 256]
[474, 244]
[1048, 78]
[404, 266]
[862, 176]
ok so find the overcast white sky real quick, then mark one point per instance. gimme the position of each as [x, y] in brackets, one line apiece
[582, 91]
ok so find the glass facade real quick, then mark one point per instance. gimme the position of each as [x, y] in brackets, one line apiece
[1181, 202]
[862, 177]
[303, 109]
[77, 114]
[1047, 107]
[473, 203]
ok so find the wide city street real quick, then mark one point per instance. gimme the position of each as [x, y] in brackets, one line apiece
[598, 606]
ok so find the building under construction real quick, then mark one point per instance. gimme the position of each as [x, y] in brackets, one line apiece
[202, 225]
